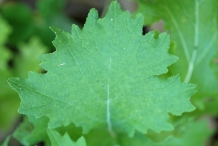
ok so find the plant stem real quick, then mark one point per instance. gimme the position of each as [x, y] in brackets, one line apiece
[195, 49]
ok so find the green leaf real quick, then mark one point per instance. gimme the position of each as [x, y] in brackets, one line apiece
[5, 31]
[22, 23]
[45, 9]
[28, 58]
[106, 75]
[59, 140]
[81, 142]
[32, 131]
[194, 29]
[197, 134]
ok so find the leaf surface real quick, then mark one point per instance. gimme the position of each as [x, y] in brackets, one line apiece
[106, 75]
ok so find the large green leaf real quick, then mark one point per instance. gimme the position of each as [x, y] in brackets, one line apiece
[194, 28]
[106, 75]
[45, 9]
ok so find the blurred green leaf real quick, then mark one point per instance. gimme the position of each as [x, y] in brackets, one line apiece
[19, 16]
[27, 59]
[9, 101]
[32, 131]
[49, 8]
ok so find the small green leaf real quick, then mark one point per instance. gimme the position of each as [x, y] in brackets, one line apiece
[106, 75]
[27, 60]
[81, 142]
[8, 101]
[65, 140]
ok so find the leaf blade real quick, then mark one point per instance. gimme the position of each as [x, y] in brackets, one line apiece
[108, 83]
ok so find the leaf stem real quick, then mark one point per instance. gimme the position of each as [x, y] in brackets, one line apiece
[191, 66]
[112, 133]
[195, 49]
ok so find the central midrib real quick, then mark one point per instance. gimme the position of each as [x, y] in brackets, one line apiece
[110, 129]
